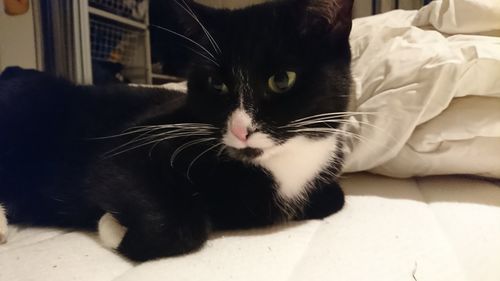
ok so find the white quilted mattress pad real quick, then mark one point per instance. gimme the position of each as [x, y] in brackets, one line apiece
[433, 229]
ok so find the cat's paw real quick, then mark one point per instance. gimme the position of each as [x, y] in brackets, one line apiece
[3, 226]
[111, 232]
[323, 202]
[157, 241]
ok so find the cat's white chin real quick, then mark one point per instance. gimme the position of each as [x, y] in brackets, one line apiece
[293, 163]
[258, 145]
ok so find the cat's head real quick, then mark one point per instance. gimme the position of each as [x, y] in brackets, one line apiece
[259, 71]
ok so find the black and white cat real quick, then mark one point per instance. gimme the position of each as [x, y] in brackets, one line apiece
[257, 141]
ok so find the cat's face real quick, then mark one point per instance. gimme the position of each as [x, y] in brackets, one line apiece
[266, 68]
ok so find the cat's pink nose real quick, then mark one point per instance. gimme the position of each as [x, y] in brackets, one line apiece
[240, 125]
[239, 131]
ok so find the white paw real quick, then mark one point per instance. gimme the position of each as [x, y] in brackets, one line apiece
[111, 232]
[3, 225]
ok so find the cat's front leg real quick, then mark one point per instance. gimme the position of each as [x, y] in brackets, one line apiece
[148, 215]
[150, 240]
[323, 201]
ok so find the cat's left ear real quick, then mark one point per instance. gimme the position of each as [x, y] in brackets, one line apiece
[327, 17]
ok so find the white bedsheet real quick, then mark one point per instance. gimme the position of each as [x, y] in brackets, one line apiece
[436, 96]
[442, 228]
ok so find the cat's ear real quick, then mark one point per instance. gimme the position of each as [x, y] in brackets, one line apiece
[327, 17]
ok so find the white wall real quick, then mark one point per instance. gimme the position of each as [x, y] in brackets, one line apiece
[17, 40]
[410, 4]
[363, 8]
[403, 4]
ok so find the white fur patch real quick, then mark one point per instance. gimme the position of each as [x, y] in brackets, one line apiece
[111, 232]
[3, 225]
[261, 141]
[231, 5]
[297, 162]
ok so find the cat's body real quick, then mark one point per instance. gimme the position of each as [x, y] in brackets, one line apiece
[247, 148]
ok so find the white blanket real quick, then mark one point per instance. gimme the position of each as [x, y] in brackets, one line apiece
[435, 95]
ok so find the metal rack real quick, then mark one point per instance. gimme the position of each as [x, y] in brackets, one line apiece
[119, 34]
[78, 33]
[135, 10]
[113, 42]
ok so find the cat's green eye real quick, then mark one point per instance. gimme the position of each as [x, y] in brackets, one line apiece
[282, 81]
[218, 85]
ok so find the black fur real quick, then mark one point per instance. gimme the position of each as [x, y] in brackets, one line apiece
[52, 169]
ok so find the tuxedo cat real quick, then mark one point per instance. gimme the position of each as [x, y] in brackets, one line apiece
[257, 140]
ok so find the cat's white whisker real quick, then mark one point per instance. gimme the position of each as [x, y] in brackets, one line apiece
[204, 56]
[316, 130]
[190, 11]
[140, 138]
[334, 114]
[185, 146]
[148, 129]
[221, 151]
[340, 132]
[195, 17]
[198, 157]
[350, 122]
[114, 152]
[121, 135]
[310, 122]
[327, 131]
[186, 38]
[327, 121]
[333, 121]
[178, 125]
[146, 137]
[180, 132]
[156, 144]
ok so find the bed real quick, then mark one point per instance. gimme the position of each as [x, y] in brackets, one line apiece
[436, 92]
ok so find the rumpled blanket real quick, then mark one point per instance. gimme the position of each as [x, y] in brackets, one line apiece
[428, 91]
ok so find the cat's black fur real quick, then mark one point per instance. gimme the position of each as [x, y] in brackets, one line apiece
[52, 169]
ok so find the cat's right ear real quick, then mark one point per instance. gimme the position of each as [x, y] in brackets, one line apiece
[326, 17]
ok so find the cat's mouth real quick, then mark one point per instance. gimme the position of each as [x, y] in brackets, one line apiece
[247, 150]
[246, 154]
[244, 139]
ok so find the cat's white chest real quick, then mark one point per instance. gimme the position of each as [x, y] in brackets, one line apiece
[297, 162]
